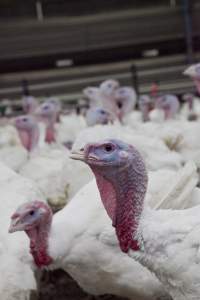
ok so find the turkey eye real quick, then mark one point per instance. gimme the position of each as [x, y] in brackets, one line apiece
[31, 213]
[46, 107]
[119, 104]
[108, 148]
[25, 119]
[102, 112]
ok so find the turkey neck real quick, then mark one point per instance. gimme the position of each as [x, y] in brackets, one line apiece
[197, 83]
[34, 137]
[122, 192]
[50, 131]
[145, 112]
[39, 242]
[29, 138]
[168, 113]
[190, 102]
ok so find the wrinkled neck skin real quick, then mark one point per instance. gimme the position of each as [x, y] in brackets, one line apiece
[58, 118]
[190, 103]
[39, 243]
[145, 113]
[31, 108]
[168, 113]
[197, 83]
[109, 103]
[50, 131]
[29, 139]
[122, 193]
[120, 109]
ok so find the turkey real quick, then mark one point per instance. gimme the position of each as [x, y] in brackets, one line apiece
[28, 131]
[17, 280]
[98, 115]
[125, 98]
[66, 130]
[12, 152]
[48, 113]
[79, 244]
[57, 104]
[8, 135]
[164, 241]
[107, 90]
[88, 241]
[119, 101]
[178, 135]
[170, 105]
[93, 95]
[191, 108]
[49, 163]
[145, 105]
[29, 104]
[193, 71]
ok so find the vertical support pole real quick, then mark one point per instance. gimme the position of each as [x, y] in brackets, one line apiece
[172, 3]
[39, 11]
[135, 78]
[187, 12]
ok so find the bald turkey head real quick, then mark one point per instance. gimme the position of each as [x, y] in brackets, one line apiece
[194, 72]
[122, 179]
[35, 218]
[47, 112]
[98, 115]
[125, 98]
[170, 105]
[28, 131]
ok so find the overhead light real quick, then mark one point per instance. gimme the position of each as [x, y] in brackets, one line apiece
[150, 53]
[64, 63]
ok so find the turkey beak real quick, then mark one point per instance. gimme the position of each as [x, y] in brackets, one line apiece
[78, 155]
[15, 225]
[190, 71]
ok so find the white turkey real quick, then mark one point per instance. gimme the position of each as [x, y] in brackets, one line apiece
[166, 242]
[49, 163]
[193, 71]
[80, 237]
[17, 280]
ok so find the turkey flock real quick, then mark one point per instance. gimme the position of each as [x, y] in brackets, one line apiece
[109, 195]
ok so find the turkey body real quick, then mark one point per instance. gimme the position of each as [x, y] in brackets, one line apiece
[165, 241]
[89, 243]
[171, 250]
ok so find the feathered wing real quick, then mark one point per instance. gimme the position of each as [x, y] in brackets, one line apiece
[177, 197]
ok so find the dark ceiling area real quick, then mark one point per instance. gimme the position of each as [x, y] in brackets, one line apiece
[54, 8]
[99, 34]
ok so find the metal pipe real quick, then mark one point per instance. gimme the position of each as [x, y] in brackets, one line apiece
[187, 12]
[134, 73]
[39, 11]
